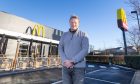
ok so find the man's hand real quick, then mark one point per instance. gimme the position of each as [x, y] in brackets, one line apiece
[68, 64]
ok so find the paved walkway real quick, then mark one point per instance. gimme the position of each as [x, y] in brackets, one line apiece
[136, 78]
[47, 76]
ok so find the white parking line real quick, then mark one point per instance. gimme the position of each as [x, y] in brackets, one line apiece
[102, 66]
[125, 67]
[115, 68]
[91, 66]
[57, 82]
[94, 71]
[102, 80]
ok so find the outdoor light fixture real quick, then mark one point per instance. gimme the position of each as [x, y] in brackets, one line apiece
[137, 18]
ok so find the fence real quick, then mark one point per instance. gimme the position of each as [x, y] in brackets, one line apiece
[22, 63]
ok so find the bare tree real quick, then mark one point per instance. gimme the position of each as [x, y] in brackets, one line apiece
[135, 5]
[133, 38]
[134, 33]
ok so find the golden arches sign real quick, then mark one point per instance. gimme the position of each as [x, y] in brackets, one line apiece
[38, 30]
[121, 19]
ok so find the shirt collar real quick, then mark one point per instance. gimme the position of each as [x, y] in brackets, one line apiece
[73, 31]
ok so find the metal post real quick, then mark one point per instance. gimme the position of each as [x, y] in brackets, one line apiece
[16, 55]
[41, 45]
[30, 48]
[124, 39]
[138, 20]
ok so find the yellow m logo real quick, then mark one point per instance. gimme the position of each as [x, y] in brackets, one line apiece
[39, 30]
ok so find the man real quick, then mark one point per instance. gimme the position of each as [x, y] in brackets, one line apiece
[73, 47]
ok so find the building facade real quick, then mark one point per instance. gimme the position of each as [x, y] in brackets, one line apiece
[14, 23]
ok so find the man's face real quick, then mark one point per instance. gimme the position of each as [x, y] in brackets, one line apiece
[74, 23]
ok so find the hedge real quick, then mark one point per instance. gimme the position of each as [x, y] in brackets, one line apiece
[128, 61]
[133, 61]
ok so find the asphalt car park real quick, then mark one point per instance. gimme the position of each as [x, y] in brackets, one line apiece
[96, 73]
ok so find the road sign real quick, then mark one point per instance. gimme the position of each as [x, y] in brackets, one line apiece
[122, 24]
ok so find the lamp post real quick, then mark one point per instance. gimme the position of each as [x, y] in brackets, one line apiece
[137, 18]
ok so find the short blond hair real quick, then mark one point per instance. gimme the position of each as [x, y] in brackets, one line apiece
[74, 17]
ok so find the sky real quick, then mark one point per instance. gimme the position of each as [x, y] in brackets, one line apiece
[97, 17]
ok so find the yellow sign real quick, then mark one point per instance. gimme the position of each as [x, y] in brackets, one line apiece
[121, 19]
[38, 30]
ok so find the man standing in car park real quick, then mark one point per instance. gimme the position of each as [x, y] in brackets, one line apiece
[73, 47]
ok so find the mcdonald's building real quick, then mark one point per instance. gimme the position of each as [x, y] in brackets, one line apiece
[19, 25]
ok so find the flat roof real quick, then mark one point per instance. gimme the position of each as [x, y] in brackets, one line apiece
[26, 37]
